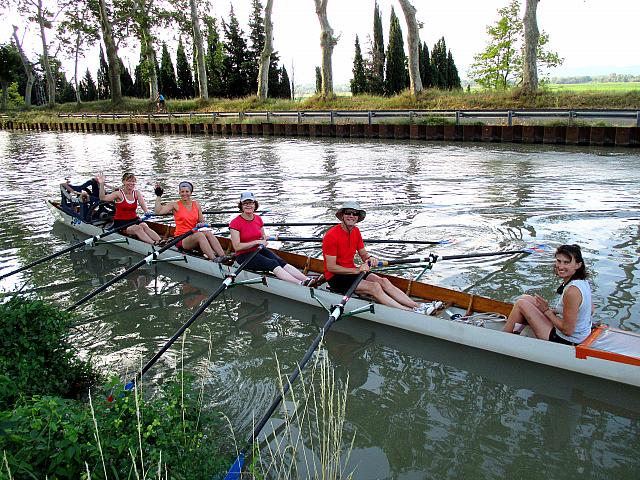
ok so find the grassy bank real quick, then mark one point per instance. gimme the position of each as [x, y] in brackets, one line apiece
[428, 100]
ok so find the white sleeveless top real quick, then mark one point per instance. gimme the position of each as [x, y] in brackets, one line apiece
[583, 322]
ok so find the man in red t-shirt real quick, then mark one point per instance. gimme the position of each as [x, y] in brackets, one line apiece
[339, 247]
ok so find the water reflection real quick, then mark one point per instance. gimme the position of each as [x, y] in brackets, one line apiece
[419, 407]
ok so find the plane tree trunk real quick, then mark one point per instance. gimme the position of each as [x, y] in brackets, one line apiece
[265, 56]
[413, 41]
[327, 42]
[531, 39]
[112, 53]
[28, 69]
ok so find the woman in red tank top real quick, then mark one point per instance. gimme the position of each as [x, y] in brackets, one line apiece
[187, 214]
[127, 199]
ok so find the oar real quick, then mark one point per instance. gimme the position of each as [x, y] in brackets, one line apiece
[225, 284]
[236, 469]
[279, 238]
[216, 212]
[281, 224]
[88, 241]
[433, 258]
[146, 260]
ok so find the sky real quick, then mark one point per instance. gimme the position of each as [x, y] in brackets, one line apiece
[593, 36]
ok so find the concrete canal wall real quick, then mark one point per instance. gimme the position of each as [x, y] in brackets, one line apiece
[559, 135]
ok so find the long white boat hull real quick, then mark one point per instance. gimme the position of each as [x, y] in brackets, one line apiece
[525, 348]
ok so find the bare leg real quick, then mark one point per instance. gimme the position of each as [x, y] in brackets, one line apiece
[139, 232]
[198, 239]
[391, 290]
[282, 274]
[214, 243]
[526, 311]
[376, 291]
[294, 272]
[150, 232]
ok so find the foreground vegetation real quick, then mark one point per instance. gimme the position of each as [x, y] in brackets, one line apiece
[431, 99]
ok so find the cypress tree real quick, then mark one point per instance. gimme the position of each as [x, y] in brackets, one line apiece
[126, 82]
[103, 78]
[236, 62]
[318, 80]
[359, 80]
[184, 77]
[87, 87]
[396, 77]
[256, 37]
[214, 59]
[141, 82]
[285, 84]
[452, 74]
[275, 89]
[377, 60]
[439, 63]
[167, 78]
[426, 71]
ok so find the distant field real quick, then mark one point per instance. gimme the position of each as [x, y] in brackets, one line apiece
[596, 87]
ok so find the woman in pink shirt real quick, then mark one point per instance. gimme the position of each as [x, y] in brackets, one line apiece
[247, 233]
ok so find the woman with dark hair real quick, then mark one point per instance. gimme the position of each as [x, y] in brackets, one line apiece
[247, 233]
[127, 199]
[187, 214]
[569, 322]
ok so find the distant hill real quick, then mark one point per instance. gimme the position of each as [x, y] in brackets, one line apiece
[594, 71]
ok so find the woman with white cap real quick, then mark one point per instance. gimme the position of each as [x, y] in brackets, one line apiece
[187, 214]
[339, 247]
[247, 233]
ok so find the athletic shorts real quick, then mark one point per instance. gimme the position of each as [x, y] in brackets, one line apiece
[120, 223]
[341, 282]
[554, 337]
[264, 261]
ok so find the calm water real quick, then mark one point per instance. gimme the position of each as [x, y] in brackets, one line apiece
[419, 408]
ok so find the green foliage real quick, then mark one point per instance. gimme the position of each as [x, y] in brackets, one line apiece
[500, 65]
[396, 74]
[141, 74]
[167, 79]
[52, 437]
[103, 78]
[237, 61]
[359, 80]
[214, 59]
[257, 39]
[376, 60]
[318, 80]
[426, 70]
[87, 87]
[285, 84]
[126, 82]
[184, 77]
[35, 355]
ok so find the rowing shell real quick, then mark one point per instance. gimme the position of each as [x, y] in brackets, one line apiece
[608, 353]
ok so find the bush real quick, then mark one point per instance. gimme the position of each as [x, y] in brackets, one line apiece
[35, 355]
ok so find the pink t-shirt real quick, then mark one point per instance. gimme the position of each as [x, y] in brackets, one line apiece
[249, 230]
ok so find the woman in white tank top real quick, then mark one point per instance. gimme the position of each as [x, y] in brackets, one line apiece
[569, 322]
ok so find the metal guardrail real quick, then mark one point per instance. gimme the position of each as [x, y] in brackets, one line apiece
[370, 115]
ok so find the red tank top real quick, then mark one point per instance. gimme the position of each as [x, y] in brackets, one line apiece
[185, 219]
[126, 209]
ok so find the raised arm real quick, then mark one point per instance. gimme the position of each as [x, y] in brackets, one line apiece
[158, 207]
[107, 197]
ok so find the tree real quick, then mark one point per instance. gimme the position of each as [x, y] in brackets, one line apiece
[396, 79]
[285, 84]
[167, 78]
[76, 33]
[375, 80]
[453, 79]
[236, 61]
[214, 59]
[413, 41]
[10, 66]
[256, 43]
[327, 42]
[28, 69]
[88, 90]
[500, 65]
[359, 80]
[141, 82]
[103, 77]
[426, 70]
[141, 12]
[106, 26]
[265, 54]
[440, 64]
[184, 77]
[198, 45]
[531, 39]
[126, 81]
[318, 80]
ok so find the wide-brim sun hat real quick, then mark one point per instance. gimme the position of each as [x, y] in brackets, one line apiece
[351, 205]
[244, 196]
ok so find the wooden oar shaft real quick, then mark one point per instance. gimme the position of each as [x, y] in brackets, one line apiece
[225, 284]
[120, 276]
[282, 238]
[433, 258]
[68, 249]
[487, 254]
[333, 316]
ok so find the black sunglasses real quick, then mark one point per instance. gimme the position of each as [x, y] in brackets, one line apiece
[353, 213]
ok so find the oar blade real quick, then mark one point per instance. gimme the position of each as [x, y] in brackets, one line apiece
[236, 469]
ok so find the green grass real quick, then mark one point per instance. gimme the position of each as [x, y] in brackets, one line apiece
[595, 87]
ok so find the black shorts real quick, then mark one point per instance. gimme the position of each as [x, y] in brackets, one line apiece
[120, 223]
[264, 261]
[555, 338]
[341, 282]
